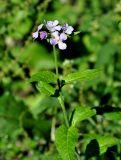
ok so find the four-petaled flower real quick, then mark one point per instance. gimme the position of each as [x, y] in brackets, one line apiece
[56, 33]
[53, 26]
[58, 38]
[67, 29]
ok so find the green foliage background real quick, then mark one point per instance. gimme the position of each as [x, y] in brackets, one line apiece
[26, 116]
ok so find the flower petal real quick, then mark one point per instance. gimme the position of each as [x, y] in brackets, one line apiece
[55, 22]
[55, 34]
[49, 24]
[65, 26]
[43, 35]
[62, 45]
[35, 35]
[63, 36]
[58, 28]
[53, 41]
[51, 29]
[40, 27]
[69, 30]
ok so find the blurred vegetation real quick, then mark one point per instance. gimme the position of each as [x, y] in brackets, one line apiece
[26, 116]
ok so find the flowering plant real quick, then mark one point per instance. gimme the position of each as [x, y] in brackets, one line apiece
[51, 84]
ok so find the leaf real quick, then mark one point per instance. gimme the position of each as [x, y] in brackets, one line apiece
[82, 113]
[103, 141]
[42, 104]
[45, 76]
[45, 88]
[76, 33]
[113, 116]
[88, 74]
[65, 141]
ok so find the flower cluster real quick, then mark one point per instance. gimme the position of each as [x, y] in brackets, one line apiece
[55, 32]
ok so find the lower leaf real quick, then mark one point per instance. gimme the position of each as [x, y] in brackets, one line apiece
[66, 141]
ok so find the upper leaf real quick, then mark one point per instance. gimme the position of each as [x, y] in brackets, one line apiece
[82, 113]
[65, 141]
[88, 74]
[45, 76]
[45, 88]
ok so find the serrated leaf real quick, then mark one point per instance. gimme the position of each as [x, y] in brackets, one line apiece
[113, 116]
[65, 141]
[45, 76]
[82, 113]
[88, 74]
[45, 88]
[103, 141]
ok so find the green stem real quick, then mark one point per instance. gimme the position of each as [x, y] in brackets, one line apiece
[56, 62]
[60, 98]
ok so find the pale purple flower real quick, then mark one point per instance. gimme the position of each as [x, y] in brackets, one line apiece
[53, 26]
[67, 29]
[56, 33]
[43, 34]
[58, 39]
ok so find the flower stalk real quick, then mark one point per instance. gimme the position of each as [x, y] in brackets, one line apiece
[60, 98]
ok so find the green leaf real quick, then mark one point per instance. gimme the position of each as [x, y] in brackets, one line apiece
[76, 33]
[45, 88]
[65, 141]
[82, 113]
[113, 116]
[88, 74]
[103, 141]
[45, 76]
[43, 103]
